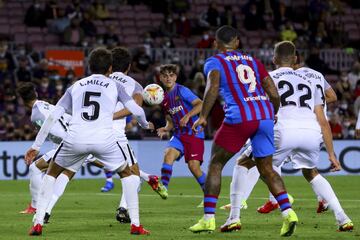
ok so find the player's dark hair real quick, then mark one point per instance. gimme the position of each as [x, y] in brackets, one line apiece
[100, 60]
[226, 34]
[171, 68]
[121, 59]
[27, 91]
[284, 51]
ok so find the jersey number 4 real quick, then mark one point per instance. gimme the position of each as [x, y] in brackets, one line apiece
[95, 105]
[290, 91]
[250, 79]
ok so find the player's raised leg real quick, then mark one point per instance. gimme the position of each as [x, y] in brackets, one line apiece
[171, 154]
[44, 197]
[36, 177]
[60, 184]
[323, 188]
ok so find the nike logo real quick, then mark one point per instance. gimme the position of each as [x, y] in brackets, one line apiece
[194, 155]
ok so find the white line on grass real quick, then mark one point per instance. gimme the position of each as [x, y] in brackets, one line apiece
[223, 197]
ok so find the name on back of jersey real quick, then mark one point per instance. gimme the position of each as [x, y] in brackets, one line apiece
[94, 82]
[118, 78]
[280, 74]
[237, 58]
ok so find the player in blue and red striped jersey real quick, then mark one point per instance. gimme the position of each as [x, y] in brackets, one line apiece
[181, 107]
[246, 87]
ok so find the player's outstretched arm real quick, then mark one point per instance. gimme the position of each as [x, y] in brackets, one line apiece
[271, 90]
[327, 136]
[197, 105]
[330, 95]
[43, 133]
[125, 112]
[211, 93]
[163, 131]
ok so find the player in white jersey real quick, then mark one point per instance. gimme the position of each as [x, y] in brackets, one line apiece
[301, 121]
[121, 66]
[91, 102]
[40, 110]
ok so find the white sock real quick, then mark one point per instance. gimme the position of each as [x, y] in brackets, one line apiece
[35, 183]
[59, 188]
[323, 188]
[130, 187]
[44, 197]
[252, 178]
[144, 176]
[271, 197]
[208, 216]
[123, 200]
[237, 187]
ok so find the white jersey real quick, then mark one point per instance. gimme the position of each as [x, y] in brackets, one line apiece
[91, 102]
[40, 111]
[298, 97]
[131, 87]
[319, 80]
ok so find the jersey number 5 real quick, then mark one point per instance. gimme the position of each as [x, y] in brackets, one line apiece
[251, 79]
[87, 103]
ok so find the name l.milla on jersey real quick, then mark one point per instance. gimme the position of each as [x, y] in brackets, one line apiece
[94, 82]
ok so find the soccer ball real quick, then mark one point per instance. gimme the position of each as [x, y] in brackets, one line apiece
[153, 94]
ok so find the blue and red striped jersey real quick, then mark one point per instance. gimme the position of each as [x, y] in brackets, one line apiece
[177, 103]
[240, 86]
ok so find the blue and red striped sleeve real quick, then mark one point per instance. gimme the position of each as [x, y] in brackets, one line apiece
[187, 95]
[263, 73]
[211, 64]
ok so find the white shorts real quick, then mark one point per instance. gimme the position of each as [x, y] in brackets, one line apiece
[49, 155]
[300, 146]
[72, 156]
[128, 153]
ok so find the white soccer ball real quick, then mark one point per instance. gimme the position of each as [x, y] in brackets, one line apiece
[153, 94]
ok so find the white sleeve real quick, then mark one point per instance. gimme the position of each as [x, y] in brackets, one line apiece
[138, 88]
[123, 97]
[326, 85]
[358, 121]
[318, 100]
[66, 101]
[138, 112]
[45, 128]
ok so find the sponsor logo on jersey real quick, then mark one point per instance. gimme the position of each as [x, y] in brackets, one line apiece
[174, 110]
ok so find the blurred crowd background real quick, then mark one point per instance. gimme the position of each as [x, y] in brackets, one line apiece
[27, 28]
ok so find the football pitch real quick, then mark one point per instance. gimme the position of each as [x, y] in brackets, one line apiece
[85, 213]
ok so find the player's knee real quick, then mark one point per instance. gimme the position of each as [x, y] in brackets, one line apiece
[194, 166]
[309, 174]
[169, 156]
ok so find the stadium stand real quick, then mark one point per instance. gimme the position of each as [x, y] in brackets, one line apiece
[179, 31]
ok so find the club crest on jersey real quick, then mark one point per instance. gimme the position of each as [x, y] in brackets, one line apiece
[174, 110]
[94, 82]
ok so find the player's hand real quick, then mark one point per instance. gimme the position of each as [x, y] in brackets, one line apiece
[162, 132]
[184, 120]
[200, 122]
[30, 155]
[335, 164]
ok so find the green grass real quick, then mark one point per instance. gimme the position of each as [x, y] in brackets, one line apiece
[85, 213]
